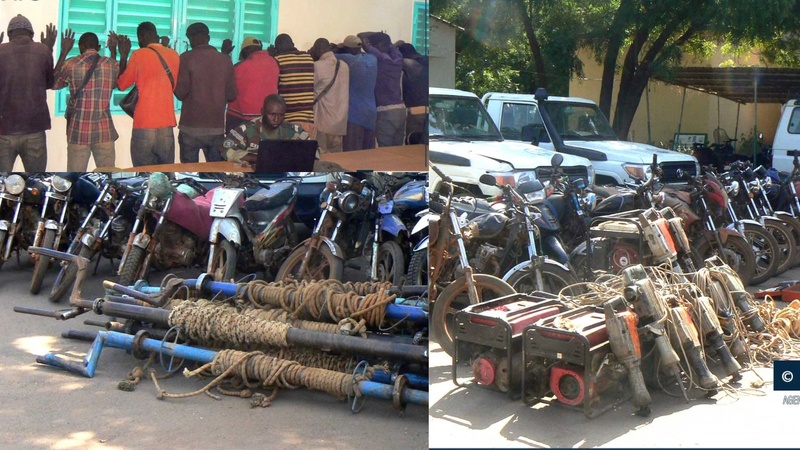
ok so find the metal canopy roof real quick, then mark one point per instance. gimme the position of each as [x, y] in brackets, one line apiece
[775, 85]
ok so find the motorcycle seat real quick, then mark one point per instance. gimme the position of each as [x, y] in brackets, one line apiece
[277, 195]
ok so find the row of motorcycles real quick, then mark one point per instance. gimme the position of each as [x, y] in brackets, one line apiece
[242, 225]
[556, 235]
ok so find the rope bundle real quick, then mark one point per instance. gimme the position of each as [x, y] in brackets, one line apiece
[327, 301]
[255, 369]
[212, 324]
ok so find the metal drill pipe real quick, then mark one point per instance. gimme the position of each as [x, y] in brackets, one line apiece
[394, 312]
[124, 341]
[294, 336]
[380, 376]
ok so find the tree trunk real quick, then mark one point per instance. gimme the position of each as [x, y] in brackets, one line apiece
[617, 32]
[533, 43]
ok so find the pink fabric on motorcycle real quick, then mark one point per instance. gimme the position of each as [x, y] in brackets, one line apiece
[192, 214]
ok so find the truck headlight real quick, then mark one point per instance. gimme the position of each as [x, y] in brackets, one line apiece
[637, 171]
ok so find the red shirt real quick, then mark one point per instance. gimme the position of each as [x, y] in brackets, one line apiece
[156, 107]
[256, 78]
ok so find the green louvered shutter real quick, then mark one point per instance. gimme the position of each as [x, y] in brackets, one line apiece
[226, 19]
[420, 34]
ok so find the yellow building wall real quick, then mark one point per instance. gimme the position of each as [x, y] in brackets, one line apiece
[304, 20]
[701, 111]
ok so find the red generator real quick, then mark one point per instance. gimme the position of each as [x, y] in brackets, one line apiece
[488, 339]
[567, 360]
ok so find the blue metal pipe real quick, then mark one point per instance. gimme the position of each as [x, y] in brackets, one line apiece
[125, 342]
[414, 380]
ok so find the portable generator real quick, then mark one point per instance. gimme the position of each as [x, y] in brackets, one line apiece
[567, 360]
[488, 339]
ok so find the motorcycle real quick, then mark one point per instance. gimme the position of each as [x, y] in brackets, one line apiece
[171, 229]
[701, 206]
[743, 190]
[104, 229]
[60, 209]
[356, 218]
[21, 198]
[467, 289]
[256, 233]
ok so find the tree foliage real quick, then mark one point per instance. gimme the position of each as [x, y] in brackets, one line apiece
[519, 45]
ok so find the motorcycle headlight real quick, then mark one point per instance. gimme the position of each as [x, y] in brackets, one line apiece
[535, 197]
[755, 188]
[732, 189]
[60, 184]
[348, 202]
[590, 176]
[15, 184]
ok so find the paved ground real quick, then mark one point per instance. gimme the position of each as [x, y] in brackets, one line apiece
[475, 417]
[44, 407]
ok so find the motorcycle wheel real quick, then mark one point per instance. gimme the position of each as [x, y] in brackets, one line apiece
[127, 274]
[391, 264]
[42, 263]
[323, 265]
[765, 248]
[736, 253]
[418, 269]
[786, 248]
[794, 226]
[454, 298]
[555, 279]
[67, 274]
[223, 264]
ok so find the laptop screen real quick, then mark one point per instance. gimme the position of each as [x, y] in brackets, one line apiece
[286, 156]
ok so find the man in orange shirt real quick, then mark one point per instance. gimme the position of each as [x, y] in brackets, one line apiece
[152, 139]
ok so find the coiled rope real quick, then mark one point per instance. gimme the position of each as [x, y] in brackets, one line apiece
[257, 370]
[325, 301]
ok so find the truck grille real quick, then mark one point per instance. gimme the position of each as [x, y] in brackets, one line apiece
[670, 171]
[573, 173]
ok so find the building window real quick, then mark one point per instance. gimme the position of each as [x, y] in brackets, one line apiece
[226, 19]
[420, 34]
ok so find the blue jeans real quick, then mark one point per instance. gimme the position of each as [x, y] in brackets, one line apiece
[191, 145]
[32, 148]
[152, 146]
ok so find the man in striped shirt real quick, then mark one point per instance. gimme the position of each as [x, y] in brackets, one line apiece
[296, 82]
[90, 130]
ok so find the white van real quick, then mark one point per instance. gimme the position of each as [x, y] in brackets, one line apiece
[787, 137]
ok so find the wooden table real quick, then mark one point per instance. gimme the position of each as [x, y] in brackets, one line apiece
[409, 158]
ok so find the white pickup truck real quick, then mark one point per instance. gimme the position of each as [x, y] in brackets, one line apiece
[576, 126]
[465, 144]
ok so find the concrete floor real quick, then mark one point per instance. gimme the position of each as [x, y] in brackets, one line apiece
[43, 407]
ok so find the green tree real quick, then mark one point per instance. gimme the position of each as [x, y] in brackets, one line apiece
[631, 39]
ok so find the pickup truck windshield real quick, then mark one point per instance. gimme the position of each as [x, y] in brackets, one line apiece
[460, 118]
[579, 121]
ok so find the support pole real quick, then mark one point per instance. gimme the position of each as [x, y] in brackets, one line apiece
[755, 120]
[647, 102]
[680, 122]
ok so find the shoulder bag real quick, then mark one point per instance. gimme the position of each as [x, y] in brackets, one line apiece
[73, 99]
[128, 103]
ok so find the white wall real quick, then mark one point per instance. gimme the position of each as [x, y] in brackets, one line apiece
[442, 54]
[304, 20]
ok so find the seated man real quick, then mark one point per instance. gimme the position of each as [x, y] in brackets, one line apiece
[241, 143]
